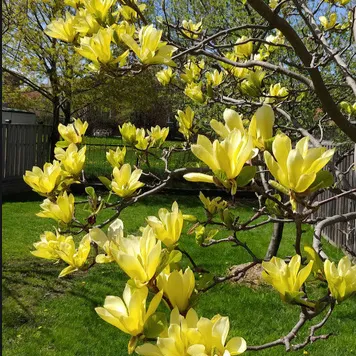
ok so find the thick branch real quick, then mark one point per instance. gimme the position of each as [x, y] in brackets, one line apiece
[320, 37]
[320, 88]
[322, 224]
[27, 81]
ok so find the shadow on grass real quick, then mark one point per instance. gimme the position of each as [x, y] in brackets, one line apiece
[26, 283]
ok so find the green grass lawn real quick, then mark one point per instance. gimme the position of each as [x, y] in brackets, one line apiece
[97, 165]
[44, 315]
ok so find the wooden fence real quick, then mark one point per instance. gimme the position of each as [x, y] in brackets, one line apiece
[23, 146]
[344, 233]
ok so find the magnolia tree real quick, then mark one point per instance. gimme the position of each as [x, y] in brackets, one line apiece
[264, 69]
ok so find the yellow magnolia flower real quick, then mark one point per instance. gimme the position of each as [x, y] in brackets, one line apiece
[244, 50]
[123, 27]
[44, 181]
[287, 279]
[232, 57]
[193, 91]
[62, 210]
[48, 246]
[232, 119]
[215, 78]
[341, 280]
[226, 159]
[151, 49]
[71, 159]
[116, 158]
[72, 3]
[126, 183]
[138, 256]
[240, 73]
[99, 8]
[296, 169]
[261, 125]
[142, 141]
[276, 92]
[129, 314]
[192, 71]
[158, 135]
[311, 255]
[177, 287]
[74, 257]
[168, 227]
[98, 49]
[273, 4]
[182, 333]
[191, 336]
[185, 121]
[73, 133]
[212, 206]
[275, 39]
[107, 241]
[252, 84]
[191, 29]
[328, 23]
[341, 2]
[128, 133]
[164, 76]
[86, 23]
[63, 29]
[128, 13]
[214, 333]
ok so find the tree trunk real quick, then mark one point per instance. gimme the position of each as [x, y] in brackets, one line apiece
[67, 112]
[55, 133]
[275, 240]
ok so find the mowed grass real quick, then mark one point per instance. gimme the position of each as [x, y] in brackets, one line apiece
[96, 163]
[45, 315]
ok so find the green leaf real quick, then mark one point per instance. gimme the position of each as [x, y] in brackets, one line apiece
[323, 179]
[246, 175]
[91, 192]
[62, 144]
[272, 207]
[212, 233]
[268, 144]
[155, 325]
[163, 261]
[345, 106]
[174, 257]
[105, 181]
[167, 258]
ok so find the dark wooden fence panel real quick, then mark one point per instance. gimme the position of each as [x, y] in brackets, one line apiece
[23, 146]
[341, 234]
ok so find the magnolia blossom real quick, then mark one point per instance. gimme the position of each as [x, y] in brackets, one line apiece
[296, 169]
[168, 226]
[177, 287]
[71, 159]
[341, 279]
[108, 241]
[46, 180]
[62, 210]
[138, 256]
[129, 314]
[126, 183]
[287, 279]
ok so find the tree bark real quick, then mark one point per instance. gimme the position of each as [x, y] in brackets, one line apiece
[275, 240]
[55, 133]
[326, 100]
